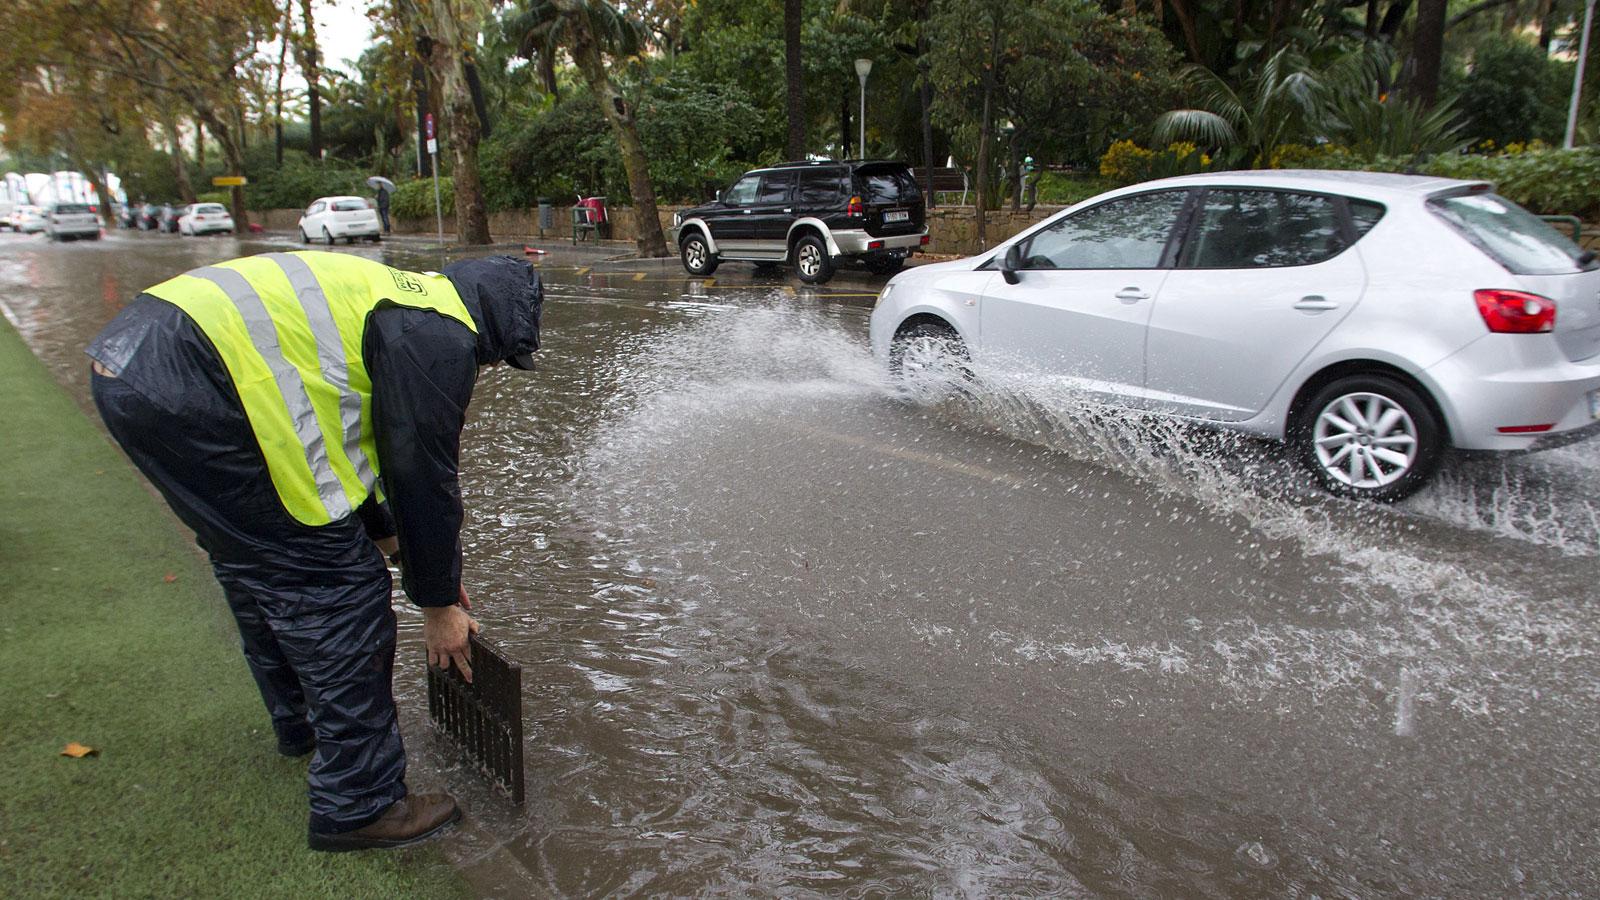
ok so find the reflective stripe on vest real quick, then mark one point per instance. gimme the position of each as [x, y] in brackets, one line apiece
[289, 328]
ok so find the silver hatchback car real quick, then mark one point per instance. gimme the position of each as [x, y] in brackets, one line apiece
[1370, 320]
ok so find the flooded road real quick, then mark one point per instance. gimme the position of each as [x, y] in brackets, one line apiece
[784, 633]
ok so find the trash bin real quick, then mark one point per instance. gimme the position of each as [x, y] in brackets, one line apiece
[547, 215]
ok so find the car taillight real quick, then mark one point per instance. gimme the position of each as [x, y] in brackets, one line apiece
[856, 207]
[1516, 312]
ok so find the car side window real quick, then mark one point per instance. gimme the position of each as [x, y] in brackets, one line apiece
[743, 192]
[1238, 229]
[775, 187]
[819, 188]
[1126, 233]
[315, 208]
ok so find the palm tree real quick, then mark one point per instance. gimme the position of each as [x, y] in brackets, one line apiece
[1278, 104]
[591, 30]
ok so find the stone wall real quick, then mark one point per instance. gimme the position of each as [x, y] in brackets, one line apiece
[953, 230]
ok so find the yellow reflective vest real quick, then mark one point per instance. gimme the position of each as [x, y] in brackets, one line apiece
[289, 329]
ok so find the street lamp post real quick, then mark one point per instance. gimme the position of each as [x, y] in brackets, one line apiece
[863, 68]
[1577, 77]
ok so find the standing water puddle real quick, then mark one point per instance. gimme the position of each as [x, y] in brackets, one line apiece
[786, 633]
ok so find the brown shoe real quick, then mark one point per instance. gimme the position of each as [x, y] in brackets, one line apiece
[410, 820]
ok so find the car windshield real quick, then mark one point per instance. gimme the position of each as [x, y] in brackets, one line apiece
[72, 208]
[348, 205]
[888, 184]
[209, 209]
[1514, 237]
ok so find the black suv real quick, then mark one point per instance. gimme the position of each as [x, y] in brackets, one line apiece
[811, 214]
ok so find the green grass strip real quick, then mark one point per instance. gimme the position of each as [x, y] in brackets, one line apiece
[187, 796]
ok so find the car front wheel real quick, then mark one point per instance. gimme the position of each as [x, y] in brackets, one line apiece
[327, 237]
[304, 238]
[697, 256]
[929, 361]
[1370, 437]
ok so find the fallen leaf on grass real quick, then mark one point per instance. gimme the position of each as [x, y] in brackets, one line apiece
[169, 578]
[78, 751]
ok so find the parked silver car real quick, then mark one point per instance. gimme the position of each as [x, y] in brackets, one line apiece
[1370, 320]
[70, 221]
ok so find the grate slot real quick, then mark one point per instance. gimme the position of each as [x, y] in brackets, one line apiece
[483, 718]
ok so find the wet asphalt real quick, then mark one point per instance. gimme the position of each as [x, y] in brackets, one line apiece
[784, 632]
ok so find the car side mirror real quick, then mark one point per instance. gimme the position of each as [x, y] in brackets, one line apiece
[719, 196]
[1011, 263]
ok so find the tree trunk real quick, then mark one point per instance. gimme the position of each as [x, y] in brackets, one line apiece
[586, 53]
[986, 137]
[309, 68]
[233, 156]
[794, 76]
[1427, 51]
[180, 171]
[419, 82]
[461, 121]
[200, 148]
[1180, 8]
[844, 126]
[277, 90]
[1015, 175]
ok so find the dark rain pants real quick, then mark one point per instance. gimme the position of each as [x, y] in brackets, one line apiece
[312, 604]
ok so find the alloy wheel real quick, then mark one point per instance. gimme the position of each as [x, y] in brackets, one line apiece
[1365, 440]
[694, 254]
[810, 260]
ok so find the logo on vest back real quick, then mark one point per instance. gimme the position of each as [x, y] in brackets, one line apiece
[406, 282]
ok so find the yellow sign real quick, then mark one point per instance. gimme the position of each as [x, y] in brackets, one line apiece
[229, 181]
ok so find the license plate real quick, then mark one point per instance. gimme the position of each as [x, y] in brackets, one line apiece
[1594, 404]
[897, 215]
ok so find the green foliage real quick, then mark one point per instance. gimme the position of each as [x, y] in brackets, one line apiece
[1369, 127]
[1279, 103]
[1059, 189]
[223, 197]
[299, 180]
[413, 199]
[1557, 182]
[1128, 163]
[1515, 92]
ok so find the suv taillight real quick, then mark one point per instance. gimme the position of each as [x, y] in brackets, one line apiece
[856, 207]
[1516, 312]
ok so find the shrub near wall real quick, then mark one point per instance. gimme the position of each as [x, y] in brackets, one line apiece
[414, 199]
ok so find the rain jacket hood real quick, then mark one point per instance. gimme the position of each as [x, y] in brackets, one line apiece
[505, 298]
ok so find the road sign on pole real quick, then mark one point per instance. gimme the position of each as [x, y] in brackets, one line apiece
[427, 126]
[229, 181]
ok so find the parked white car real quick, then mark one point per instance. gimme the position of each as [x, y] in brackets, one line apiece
[331, 218]
[1369, 320]
[28, 219]
[205, 218]
[70, 221]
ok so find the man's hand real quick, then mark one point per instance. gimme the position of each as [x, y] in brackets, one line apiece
[445, 630]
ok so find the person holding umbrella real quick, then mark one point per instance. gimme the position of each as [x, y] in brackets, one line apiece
[384, 187]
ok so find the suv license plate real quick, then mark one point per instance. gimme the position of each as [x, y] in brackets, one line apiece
[897, 215]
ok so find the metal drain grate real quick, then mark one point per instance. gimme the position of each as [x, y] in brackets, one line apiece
[484, 717]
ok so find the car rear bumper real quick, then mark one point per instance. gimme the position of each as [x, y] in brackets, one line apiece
[76, 230]
[854, 242]
[1517, 381]
[210, 227]
[354, 229]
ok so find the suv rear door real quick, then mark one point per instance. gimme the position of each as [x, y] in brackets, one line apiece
[894, 203]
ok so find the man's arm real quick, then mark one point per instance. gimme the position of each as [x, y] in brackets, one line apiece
[423, 367]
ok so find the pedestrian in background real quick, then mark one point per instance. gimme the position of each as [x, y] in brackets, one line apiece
[383, 206]
[302, 413]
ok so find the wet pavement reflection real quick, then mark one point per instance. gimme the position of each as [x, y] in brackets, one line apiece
[784, 632]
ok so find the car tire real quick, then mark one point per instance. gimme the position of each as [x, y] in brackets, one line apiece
[929, 361]
[1369, 437]
[327, 236]
[304, 238]
[695, 251]
[886, 265]
[811, 260]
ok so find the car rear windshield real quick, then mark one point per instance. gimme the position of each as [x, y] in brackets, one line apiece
[1514, 237]
[72, 208]
[209, 209]
[348, 205]
[888, 184]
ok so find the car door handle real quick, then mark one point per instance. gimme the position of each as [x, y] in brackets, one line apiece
[748, 211]
[1132, 295]
[1315, 303]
